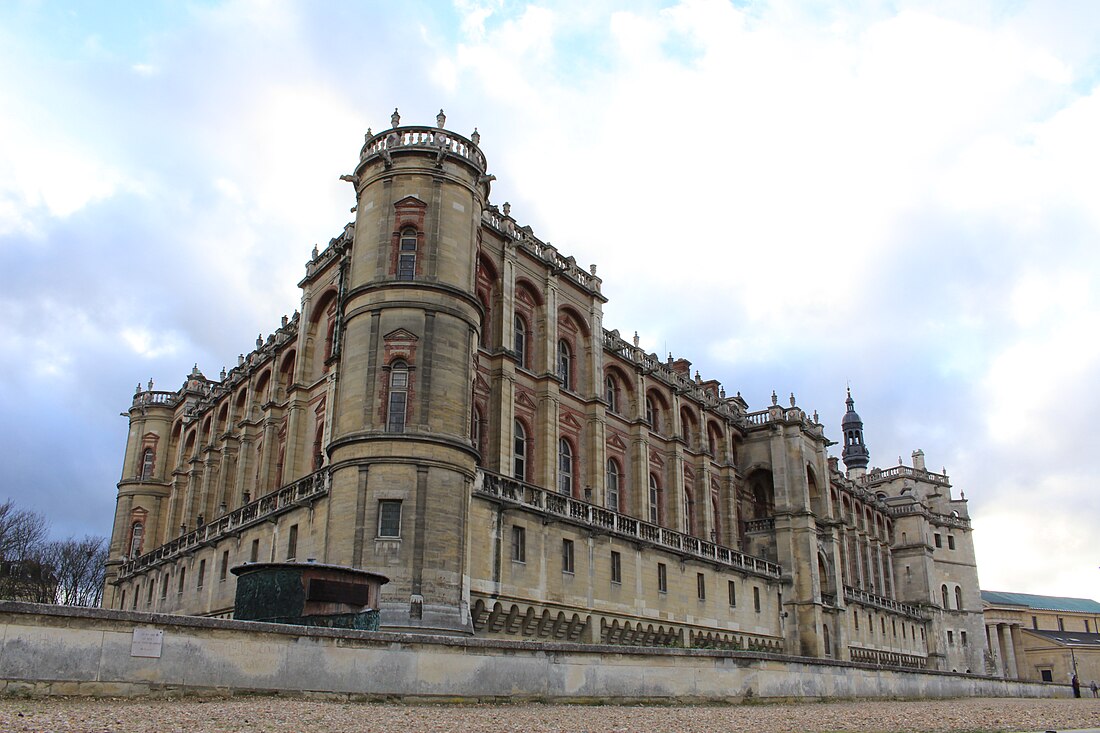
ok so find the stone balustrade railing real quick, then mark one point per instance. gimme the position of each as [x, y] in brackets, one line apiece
[303, 491]
[946, 520]
[882, 475]
[550, 504]
[150, 397]
[855, 595]
[754, 526]
[886, 658]
[432, 138]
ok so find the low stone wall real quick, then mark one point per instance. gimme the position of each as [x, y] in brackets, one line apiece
[65, 651]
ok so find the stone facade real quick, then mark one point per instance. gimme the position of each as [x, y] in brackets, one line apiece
[448, 410]
[1043, 638]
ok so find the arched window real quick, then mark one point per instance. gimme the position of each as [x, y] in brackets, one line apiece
[611, 393]
[398, 398]
[654, 500]
[147, 460]
[406, 255]
[651, 413]
[958, 598]
[565, 364]
[614, 479]
[519, 453]
[565, 467]
[943, 593]
[520, 341]
[137, 537]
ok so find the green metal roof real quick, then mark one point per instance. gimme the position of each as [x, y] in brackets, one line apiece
[1040, 603]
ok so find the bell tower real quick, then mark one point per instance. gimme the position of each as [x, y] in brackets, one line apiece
[403, 463]
[855, 453]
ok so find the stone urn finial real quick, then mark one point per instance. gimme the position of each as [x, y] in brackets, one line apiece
[792, 399]
[395, 119]
[507, 208]
[475, 137]
[775, 398]
[440, 119]
[636, 339]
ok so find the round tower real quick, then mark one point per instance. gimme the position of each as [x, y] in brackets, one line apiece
[855, 454]
[402, 460]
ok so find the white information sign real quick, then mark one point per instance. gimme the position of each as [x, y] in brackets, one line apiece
[146, 643]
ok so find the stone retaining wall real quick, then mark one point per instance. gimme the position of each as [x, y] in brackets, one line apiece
[58, 650]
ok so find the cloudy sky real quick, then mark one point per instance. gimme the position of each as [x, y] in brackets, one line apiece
[900, 196]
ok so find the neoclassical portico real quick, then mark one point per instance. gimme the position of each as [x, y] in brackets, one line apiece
[1003, 640]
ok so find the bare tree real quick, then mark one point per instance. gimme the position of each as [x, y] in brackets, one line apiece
[35, 569]
[23, 574]
[78, 566]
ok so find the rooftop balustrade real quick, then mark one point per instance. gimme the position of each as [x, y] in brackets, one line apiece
[427, 138]
[883, 475]
[550, 504]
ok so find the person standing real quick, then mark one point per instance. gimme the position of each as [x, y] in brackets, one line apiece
[1076, 686]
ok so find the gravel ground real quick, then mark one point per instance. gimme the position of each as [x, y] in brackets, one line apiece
[279, 715]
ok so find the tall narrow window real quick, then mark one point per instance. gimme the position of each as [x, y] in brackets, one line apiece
[519, 452]
[565, 467]
[613, 482]
[292, 542]
[202, 575]
[134, 601]
[951, 542]
[389, 518]
[651, 413]
[519, 544]
[756, 598]
[224, 567]
[520, 341]
[164, 587]
[611, 393]
[689, 514]
[701, 586]
[567, 556]
[654, 500]
[662, 578]
[399, 396]
[731, 591]
[254, 555]
[958, 597]
[943, 597]
[565, 364]
[147, 461]
[406, 256]
[137, 536]
[616, 567]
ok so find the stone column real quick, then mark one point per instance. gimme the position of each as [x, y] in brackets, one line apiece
[994, 649]
[1009, 653]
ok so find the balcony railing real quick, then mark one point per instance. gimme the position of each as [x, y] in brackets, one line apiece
[303, 491]
[855, 595]
[885, 658]
[432, 138]
[948, 520]
[882, 475]
[550, 504]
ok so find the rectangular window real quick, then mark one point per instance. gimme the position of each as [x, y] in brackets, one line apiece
[149, 595]
[662, 578]
[701, 586]
[951, 638]
[567, 556]
[292, 542]
[164, 587]
[254, 555]
[951, 542]
[224, 566]
[202, 574]
[855, 617]
[406, 266]
[962, 637]
[1061, 624]
[756, 598]
[938, 540]
[519, 544]
[1087, 629]
[616, 567]
[395, 416]
[731, 591]
[122, 601]
[1035, 622]
[183, 574]
[1047, 675]
[389, 518]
